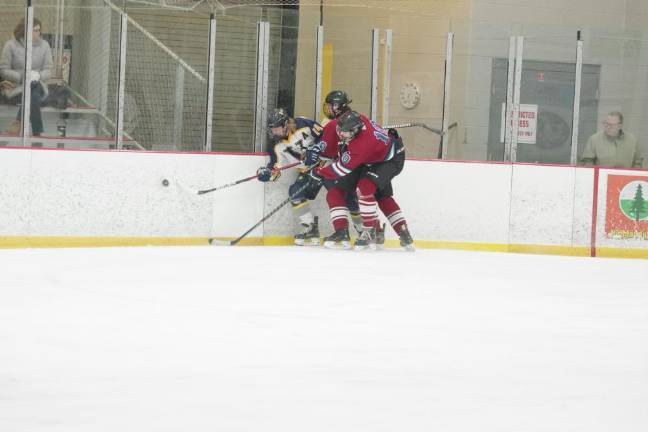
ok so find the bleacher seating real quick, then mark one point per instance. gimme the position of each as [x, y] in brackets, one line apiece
[67, 123]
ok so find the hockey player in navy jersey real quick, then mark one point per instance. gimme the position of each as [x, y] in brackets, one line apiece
[369, 157]
[288, 139]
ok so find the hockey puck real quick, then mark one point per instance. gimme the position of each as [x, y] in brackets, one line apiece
[165, 182]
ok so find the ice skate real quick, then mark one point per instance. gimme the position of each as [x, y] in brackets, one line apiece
[380, 237]
[406, 240]
[367, 240]
[310, 235]
[338, 240]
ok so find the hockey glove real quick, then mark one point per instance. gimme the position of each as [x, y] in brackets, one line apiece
[314, 179]
[266, 174]
[312, 155]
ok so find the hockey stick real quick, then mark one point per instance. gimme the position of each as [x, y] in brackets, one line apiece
[423, 125]
[243, 180]
[213, 241]
[442, 142]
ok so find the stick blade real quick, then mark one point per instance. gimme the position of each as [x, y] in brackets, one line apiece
[218, 242]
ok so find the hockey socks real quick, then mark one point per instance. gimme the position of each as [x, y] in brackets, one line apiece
[336, 199]
[367, 202]
[392, 212]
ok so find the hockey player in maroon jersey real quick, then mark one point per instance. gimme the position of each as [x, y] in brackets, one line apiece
[289, 138]
[340, 194]
[372, 157]
[337, 103]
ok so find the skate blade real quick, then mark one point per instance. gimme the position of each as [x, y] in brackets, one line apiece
[309, 242]
[368, 248]
[409, 248]
[339, 246]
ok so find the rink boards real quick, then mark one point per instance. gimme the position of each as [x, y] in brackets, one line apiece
[104, 198]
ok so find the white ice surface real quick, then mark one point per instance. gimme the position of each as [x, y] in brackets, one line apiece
[291, 339]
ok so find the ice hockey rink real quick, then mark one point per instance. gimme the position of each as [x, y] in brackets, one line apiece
[307, 339]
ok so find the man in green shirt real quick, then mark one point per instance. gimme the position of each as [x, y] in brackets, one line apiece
[612, 147]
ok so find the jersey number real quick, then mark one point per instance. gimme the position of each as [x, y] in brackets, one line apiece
[382, 136]
[380, 133]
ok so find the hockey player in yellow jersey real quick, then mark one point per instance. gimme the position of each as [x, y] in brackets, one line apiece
[288, 139]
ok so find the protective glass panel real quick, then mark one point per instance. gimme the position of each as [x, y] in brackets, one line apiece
[282, 57]
[480, 77]
[235, 80]
[93, 72]
[69, 105]
[347, 55]
[293, 62]
[547, 95]
[417, 81]
[11, 75]
[615, 79]
[165, 80]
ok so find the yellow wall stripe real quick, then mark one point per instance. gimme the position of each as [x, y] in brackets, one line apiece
[550, 249]
[70, 242]
[327, 73]
[621, 253]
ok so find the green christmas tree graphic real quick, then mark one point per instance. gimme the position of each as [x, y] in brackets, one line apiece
[638, 207]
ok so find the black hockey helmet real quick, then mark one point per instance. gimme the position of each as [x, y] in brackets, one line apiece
[348, 125]
[336, 103]
[278, 118]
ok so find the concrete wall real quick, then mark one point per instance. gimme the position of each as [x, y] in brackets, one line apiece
[95, 198]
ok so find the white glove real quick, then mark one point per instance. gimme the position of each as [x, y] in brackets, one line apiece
[33, 76]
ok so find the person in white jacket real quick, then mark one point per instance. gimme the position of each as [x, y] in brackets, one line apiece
[12, 67]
